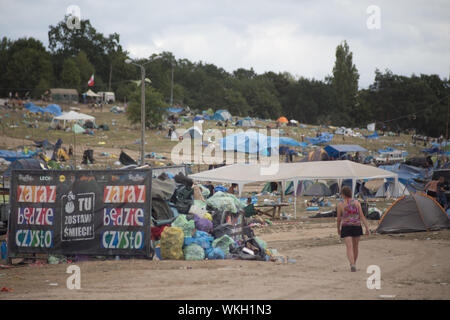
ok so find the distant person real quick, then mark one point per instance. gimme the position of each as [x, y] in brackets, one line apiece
[232, 189]
[349, 217]
[440, 193]
[432, 187]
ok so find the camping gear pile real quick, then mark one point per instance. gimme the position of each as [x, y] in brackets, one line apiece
[190, 223]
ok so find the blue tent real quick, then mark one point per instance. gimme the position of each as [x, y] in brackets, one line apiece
[222, 115]
[373, 136]
[249, 142]
[336, 150]
[53, 109]
[197, 118]
[33, 108]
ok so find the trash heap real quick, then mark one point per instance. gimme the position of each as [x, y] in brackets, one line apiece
[191, 223]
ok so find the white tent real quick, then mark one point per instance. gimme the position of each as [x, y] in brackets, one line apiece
[387, 190]
[74, 116]
[243, 174]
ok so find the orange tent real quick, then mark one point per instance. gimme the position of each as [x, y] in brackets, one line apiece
[283, 120]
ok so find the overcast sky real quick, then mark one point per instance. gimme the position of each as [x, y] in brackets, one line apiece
[298, 36]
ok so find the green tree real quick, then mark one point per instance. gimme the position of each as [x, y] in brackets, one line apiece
[154, 106]
[70, 75]
[345, 84]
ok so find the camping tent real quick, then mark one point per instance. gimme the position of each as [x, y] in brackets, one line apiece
[317, 155]
[193, 133]
[247, 122]
[283, 120]
[74, 116]
[318, 189]
[323, 138]
[413, 213]
[222, 115]
[387, 190]
[248, 142]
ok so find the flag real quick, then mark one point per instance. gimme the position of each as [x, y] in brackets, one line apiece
[91, 81]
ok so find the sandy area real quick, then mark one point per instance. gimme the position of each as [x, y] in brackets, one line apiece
[413, 266]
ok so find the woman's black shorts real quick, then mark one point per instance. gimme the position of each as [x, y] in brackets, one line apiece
[432, 194]
[351, 231]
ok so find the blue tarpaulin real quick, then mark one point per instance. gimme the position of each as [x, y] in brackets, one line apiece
[53, 109]
[174, 110]
[323, 138]
[13, 155]
[291, 142]
[335, 150]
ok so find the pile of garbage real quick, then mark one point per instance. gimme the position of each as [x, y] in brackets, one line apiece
[193, 222]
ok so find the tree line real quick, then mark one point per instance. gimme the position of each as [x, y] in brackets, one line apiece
[394, 102]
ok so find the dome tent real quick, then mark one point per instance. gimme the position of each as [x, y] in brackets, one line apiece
[222, 115]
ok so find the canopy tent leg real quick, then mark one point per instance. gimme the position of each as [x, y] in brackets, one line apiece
[241, 188]
[295, 199]
[353, 187]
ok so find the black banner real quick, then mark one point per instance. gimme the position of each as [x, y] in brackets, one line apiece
[94, 212]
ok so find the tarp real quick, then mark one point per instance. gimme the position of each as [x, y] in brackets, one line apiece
[222, 115]
[53, 109]
[323, 138]
[335, 150]
[13, 155]
[174, 110]
[291, 142]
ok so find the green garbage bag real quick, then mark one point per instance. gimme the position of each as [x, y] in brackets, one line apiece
[194, 252]
[261, 243]
[188, 227]
[171, 245]
[223, 243]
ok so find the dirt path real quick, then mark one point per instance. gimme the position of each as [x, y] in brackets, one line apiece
[410, 269]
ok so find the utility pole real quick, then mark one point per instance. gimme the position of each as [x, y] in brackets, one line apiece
[171, 90]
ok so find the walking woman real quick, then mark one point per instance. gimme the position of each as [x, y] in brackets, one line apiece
[349, 217]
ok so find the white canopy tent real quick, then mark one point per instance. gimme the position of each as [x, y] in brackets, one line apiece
[74, 116]
[92, 94]
[243, 174]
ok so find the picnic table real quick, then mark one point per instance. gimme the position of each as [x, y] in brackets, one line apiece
[273, 208]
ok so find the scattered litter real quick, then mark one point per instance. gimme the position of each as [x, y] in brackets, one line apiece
[5, 289]
[387, 296]
[53, 284]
